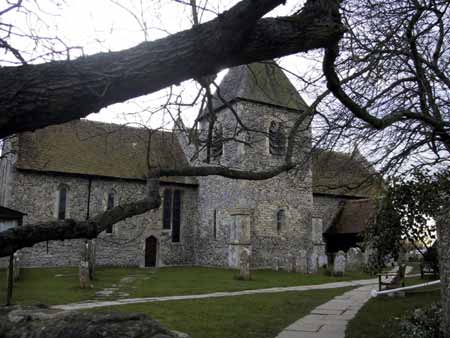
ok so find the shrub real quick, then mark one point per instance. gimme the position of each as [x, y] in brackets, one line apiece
[422, 323]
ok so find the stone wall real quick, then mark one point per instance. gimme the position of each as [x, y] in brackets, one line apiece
[36, 194]
[290, 192]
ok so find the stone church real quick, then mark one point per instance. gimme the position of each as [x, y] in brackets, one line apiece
[81, 168]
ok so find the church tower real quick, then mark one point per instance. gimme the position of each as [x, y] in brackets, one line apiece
[254, 111]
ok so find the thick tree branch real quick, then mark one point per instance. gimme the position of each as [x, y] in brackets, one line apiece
[35, 96]
[228, 172]
[28, 235]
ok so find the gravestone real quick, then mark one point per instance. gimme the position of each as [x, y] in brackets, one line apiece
[290, 263]
[355, 259]
[85, 281]
[301, 262]
[323, 261]
[276, 264]
[313, 263]
[244, 264]
[339, 264]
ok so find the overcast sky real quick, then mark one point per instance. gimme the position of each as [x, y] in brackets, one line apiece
[111, 25]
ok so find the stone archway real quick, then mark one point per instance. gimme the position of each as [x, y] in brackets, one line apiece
[151, 251]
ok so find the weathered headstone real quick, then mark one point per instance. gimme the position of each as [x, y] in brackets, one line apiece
[85, 281]
[276, 264]
[339, 264]
[290, 263]
[355, 259]
[301, 262]
[323, 261]
[244, 264]
[313, 263]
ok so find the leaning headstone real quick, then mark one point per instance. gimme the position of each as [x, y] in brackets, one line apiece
[244, 266]
[301, 262]
[313, 263]
[355, 259]
[85, 282]
[339, 264]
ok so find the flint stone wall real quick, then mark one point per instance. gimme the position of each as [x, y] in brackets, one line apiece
[36, 194]
[291, 192]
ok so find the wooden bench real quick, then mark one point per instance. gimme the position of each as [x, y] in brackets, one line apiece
[426, 268]
[396, 279]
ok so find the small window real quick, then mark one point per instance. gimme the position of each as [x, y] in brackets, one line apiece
[176, 217]
[167, 208]
[172, 213]
[62, 201]
[277, 138]
[281, 219]
[110, 200]
[217, 142]
[215, 224]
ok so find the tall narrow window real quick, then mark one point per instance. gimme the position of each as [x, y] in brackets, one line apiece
[167, 208]
[176, 222]
[110, 205]
[277, 139]
[217, 142]
[62, 201]
[215, 224]
[281, 219]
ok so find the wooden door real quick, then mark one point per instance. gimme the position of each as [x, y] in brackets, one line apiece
[151, 250]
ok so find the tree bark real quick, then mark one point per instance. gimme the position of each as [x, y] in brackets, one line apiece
[35, 96]
[443, 231]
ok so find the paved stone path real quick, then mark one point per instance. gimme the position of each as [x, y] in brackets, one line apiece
[330, 320]
[94, 304]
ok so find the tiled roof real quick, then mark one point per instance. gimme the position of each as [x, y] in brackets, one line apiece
[258, 82]
[99, 149]
[342, 174]
[354, 217]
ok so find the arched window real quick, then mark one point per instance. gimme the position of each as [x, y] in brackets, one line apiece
[281, 219]
[217, 141]
[277, 139]
[63, 192]
[110, 203]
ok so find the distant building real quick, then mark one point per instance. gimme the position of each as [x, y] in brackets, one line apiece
[78, 169]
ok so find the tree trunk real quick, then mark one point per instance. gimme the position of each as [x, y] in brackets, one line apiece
[443, 230]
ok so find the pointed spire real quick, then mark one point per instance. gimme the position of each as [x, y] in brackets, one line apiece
[263, 83]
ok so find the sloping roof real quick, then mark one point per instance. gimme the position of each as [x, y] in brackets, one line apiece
[354, 217]
[7, 213]
[99, 149]
[258, 82]
[342, 174]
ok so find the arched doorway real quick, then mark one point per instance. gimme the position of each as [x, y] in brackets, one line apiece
[151, 251]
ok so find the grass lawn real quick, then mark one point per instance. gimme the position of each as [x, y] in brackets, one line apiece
[252, 316]
[379, 318]
[60, 285]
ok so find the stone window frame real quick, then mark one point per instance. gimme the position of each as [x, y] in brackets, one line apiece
[58, 200]
[168, 229]
[217, 146]
[110, 230]
[215, 228]
[281, 219]
[276, 138]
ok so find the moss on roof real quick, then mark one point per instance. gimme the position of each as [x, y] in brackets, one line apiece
[99, 149]
[337, 173]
